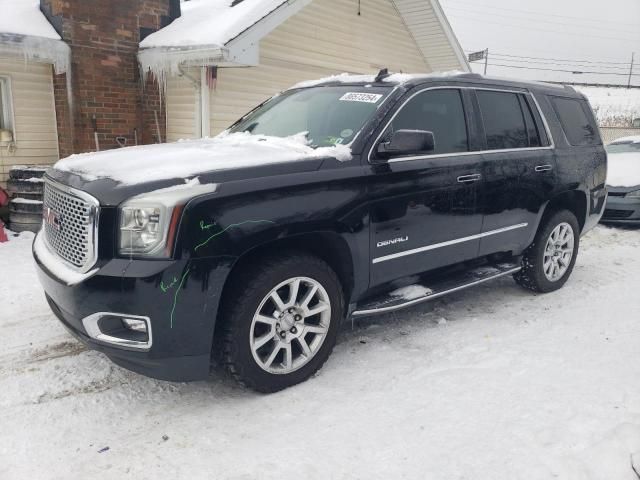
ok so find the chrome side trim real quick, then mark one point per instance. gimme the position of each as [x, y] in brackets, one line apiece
[374, 311]
[528, 93]
[393, 256]
[90, 324]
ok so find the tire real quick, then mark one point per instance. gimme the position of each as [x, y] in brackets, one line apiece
[247, 305]
[17, 187]
[23, 173]
[537, 276]
[16, 217]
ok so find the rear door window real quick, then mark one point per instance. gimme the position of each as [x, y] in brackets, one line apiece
[439, 111]
[578, 127]
[504, 120]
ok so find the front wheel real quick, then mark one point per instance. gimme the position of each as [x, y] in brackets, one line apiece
[549, 260]
[280, 321]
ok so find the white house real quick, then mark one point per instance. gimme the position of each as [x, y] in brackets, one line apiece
[30, 50]
[260, 47]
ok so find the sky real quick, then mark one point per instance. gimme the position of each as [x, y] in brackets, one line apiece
[574, 35]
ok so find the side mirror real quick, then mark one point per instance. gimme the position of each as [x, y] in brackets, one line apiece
[407, 142]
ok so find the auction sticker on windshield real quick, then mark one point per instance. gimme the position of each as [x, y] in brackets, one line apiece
[361, 97]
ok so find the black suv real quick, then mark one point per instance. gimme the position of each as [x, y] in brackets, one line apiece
[252, 247]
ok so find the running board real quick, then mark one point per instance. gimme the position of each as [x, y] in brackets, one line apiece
[418, 293]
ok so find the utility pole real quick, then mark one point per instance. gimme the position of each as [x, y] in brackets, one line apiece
[486, 61]
[631, 69]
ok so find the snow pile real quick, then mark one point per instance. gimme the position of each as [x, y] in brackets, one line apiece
[614, 107]
[24, 30]
[187, 158]
[355, 78]
[411, 292]
[623, 169]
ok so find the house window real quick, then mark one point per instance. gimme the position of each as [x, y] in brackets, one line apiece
[6, 110]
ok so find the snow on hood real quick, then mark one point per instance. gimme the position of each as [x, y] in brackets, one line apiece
[186, 158]
[210, 23]
[623, 169]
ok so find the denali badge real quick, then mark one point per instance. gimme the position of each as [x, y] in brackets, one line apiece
[384, 243]
[51, 218]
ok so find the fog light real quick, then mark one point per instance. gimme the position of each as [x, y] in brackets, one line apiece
[135, 324]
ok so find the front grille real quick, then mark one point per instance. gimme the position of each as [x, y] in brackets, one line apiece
[70, 218]
[617, 214]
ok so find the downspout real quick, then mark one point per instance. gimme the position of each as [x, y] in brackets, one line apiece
[204, 104]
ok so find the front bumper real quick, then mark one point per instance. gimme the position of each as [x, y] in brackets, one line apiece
[622, 210]
[180, 298]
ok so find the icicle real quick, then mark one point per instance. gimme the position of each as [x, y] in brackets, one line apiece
[37, 49]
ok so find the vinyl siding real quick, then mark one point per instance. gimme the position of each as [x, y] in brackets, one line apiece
[35, 131]
[325, 38]
[182, 107]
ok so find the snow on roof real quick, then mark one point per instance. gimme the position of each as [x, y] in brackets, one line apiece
[210, 23]
[23, 17]
[613, 106]
[213, 32]
[631, 139]
[186, 158]
[24, 30]
[393, 78]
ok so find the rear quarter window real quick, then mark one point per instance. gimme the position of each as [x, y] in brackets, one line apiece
[578, 125]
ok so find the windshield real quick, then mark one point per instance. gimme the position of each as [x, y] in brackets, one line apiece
[329, 115]
[627, 147]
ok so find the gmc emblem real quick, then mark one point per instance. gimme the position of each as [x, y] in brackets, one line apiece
[52, 218]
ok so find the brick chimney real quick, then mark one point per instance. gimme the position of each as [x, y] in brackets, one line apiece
[104, 80]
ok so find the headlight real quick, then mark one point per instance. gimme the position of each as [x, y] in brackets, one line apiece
[143, 229]
[634, 194]
[148, 222]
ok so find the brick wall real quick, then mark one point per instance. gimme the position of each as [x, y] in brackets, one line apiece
[105, 80]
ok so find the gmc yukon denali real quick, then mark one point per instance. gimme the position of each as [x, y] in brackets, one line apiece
[345, 197]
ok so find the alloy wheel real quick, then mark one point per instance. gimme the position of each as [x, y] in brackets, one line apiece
[558, 252]
[290, 325]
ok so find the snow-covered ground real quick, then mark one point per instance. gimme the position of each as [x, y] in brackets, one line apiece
[490, 383]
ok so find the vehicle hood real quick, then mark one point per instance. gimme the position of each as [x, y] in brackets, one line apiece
[623, 170]
[114, 175]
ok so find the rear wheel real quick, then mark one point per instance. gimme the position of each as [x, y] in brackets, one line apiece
[548, 262]
[280, 321]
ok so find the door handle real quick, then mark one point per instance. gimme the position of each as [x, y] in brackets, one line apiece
[543, 168]
[474, 177]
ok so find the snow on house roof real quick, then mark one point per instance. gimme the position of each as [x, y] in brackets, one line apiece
[210, 22]
[23, 17]
[214, 32]
[228, 33]
[613, 106]
[24, 30]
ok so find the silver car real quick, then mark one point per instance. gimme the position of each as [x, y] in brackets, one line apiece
[623, 181]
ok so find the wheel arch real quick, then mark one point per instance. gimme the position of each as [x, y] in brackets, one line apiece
[573, 200]
[326, 245]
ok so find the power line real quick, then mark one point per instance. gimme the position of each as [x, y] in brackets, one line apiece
[561, 23]
[565, 71]
[527, 27]
[545, 14]
[562, 64]
[561, 59]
